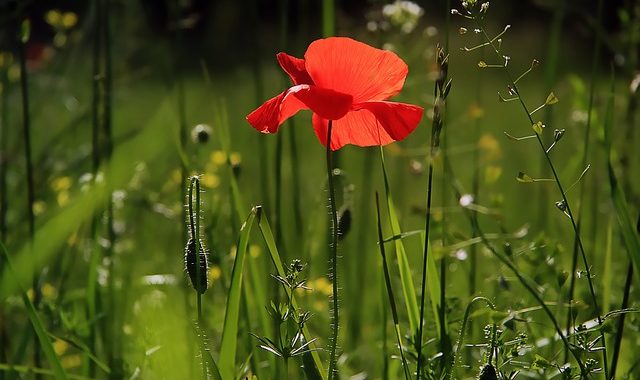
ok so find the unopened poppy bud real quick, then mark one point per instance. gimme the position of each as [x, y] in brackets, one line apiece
[201, 133]
[488, 372]
[561, 206]
[190, 264]
[344, 222]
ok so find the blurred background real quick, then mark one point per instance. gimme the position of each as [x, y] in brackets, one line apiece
[183, 74]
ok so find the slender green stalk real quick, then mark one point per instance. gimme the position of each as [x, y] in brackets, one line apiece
[4, 135]
[334, 258]
[92, 278]
[443, 342]
[585, 155]
[295, 174]
[440, 92]
[620, 325]
[473, 220]
[26, 138]
[390, 297]
[113, 331]
[358, 287]
[385, 344]
[194, 230]
[328, 18]
[424, 270]
[465, 319]
[560, 189]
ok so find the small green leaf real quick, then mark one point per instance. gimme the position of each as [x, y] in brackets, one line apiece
[538, 127]
[522, 177]
[540, 363]
[551, 99]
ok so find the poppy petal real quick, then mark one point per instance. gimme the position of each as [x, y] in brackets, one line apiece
[327, 103]
[355, 68]
[270, 115]
[295, 68]
[370, 124]
[397, 119]
[357, 127]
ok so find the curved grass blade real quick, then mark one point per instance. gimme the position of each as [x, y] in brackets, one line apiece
[392, 300]
[630, 238]
[43, 336]
[406, 279]
[232, 312]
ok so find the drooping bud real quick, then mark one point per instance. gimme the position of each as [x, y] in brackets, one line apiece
[488, 372]
[344, 222]
[191, 265]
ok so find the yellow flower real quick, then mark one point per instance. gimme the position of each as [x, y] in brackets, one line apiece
[210, 180]
[61, 183]
[39, 207]
[214, 273]
[235, 158]
[60, 346]
[69, 20]
[53, 17]
[254, 251]
[321, 285]
[218, 157]
[63, 198]
[490, 146]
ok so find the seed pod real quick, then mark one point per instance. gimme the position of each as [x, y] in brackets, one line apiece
[488, 372]
[201, 133]
[190, 263]
[344, 222]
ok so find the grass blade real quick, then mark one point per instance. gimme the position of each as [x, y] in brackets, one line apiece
[267, 235]
[232, 312]
[392, 300]
[41, 333]
[630, 238]
[406, 279]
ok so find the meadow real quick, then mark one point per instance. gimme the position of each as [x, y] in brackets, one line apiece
[149, 232]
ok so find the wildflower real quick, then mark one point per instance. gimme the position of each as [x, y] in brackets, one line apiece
[346, 81]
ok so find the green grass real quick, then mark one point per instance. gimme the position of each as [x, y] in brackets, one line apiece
[127, 309]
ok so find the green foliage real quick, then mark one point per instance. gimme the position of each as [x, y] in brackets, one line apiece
[121, 305]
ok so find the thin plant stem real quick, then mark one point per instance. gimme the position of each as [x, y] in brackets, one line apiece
[390, 296]
[620, 325]
[473, 220]
[295, 174]
[26, 136]
[465, 320]
[440, 93]
[334, 257]
[444, 342]
[385, 344]
[424, 270]
[92, 285]
[4, 127]
[562, 192]
[108, 146]
[585, 155]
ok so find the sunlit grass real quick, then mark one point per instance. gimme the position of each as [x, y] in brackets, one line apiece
[150, 324]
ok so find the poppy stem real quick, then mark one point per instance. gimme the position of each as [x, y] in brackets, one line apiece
[333, 271]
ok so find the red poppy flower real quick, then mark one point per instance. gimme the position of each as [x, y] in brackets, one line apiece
[346, 81]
